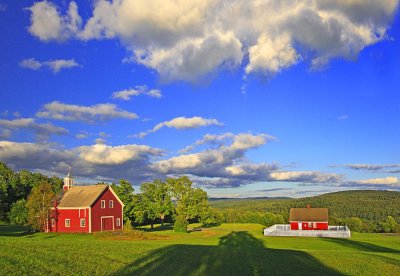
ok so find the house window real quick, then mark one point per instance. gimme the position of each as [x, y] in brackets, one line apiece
[314, 225]
[67, 223]
[309, 224]
[111, 204]
[53, 222]
[118, 222]
[83, 222]
[103, 204]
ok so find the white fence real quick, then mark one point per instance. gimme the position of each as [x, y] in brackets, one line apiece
[284, 230]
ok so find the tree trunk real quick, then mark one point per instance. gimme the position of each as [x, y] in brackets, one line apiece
[152, 225]
[162, 219]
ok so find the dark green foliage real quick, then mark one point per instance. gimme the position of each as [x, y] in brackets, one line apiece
[18, 213]
[16, 186]
[180, 224]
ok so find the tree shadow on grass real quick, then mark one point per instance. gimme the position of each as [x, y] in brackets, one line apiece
[15, 231]
[362, 246]
[237, 253]
[166, 226]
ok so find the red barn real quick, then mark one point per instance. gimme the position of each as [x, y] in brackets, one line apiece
[86, 209]
[308, 218]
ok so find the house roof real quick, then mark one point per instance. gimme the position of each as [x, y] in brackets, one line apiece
[82, 196]
[309, 214]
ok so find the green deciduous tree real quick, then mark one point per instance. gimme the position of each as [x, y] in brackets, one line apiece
[38, 204]
[190, 202]
[156, 200]
[18, 213]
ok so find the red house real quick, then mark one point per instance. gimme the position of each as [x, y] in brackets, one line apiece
[308, 218]
[86, 209]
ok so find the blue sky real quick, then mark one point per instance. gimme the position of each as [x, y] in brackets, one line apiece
[247, 98]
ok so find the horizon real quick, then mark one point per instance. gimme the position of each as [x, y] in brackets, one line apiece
[248, 99]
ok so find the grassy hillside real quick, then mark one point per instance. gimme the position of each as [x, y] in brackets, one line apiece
[230, 249]
[368, 205]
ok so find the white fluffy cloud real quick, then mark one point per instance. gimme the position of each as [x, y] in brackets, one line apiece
[108, 155]
[127, 94]
[182, 123]
[185, 40]
[47, 23]
[55, 65]
[41, 130]
[69, 112]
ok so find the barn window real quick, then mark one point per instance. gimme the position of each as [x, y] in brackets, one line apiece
[53, 222]
[118, 222]
[103, 204]
[111, 204]
[67, 223]
[83, 222]
[314, 224]
[310, 224]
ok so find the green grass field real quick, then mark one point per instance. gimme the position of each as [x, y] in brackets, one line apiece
[229, 249]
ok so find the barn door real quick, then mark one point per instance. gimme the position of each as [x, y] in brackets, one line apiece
[107, 224]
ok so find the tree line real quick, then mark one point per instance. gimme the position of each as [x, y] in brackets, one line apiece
[26, 198]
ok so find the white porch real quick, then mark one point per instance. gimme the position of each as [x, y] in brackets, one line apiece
[284, 230]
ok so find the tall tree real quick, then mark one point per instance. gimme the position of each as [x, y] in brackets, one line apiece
[125, 190]
[39, 204]
[156, 200]
[190, 203]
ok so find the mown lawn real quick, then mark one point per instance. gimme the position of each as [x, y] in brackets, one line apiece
[229, 249]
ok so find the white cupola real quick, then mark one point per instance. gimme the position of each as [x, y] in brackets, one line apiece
[68, 181]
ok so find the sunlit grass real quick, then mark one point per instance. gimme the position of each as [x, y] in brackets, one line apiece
[229, 249]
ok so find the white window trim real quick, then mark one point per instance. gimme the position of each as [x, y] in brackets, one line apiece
[111, 203]
[103, 204]
[69, 223]
[118, 222]
[53, 222]
[84, 222]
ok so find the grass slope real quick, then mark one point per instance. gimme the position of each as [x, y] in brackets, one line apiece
[229, 249]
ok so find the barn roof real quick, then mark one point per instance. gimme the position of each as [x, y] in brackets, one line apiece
[82, 196]
[309, 214]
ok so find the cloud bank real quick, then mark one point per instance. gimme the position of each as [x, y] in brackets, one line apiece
[186, 40]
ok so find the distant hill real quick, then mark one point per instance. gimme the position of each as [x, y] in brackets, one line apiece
[245, 198]
[364, 204]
